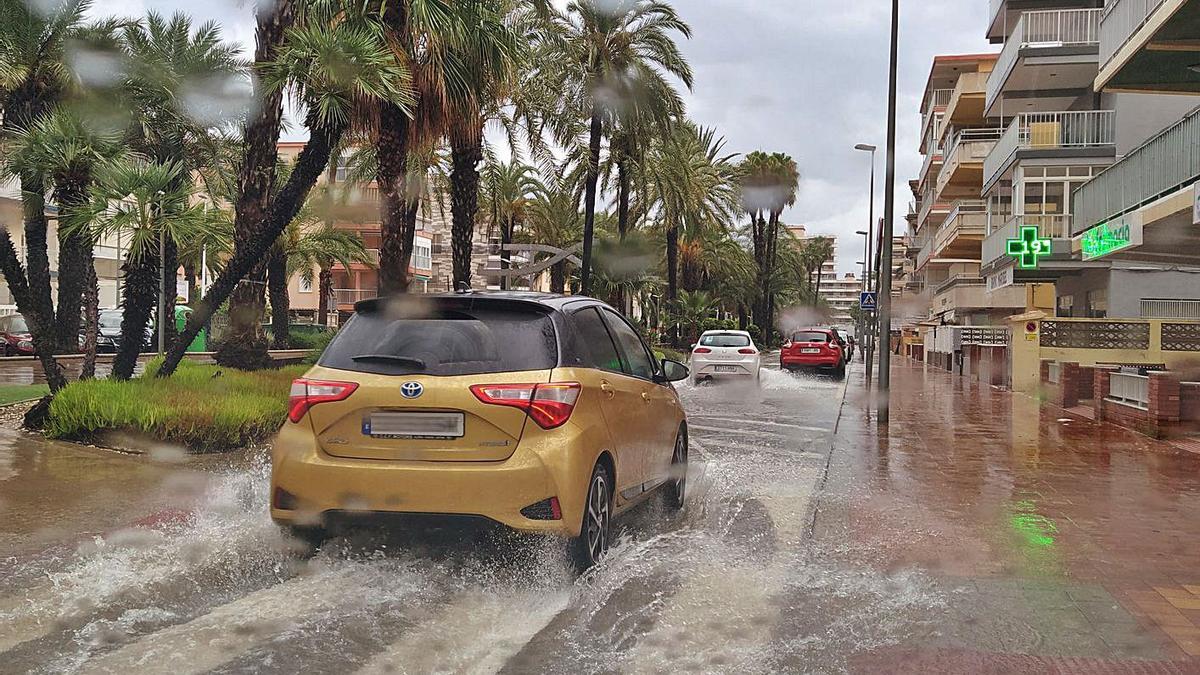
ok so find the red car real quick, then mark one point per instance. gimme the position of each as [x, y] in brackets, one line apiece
[14, 333]
[814, 348]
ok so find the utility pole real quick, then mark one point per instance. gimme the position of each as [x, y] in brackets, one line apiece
[885, 267]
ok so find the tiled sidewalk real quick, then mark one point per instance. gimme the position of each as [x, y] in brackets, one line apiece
[1053, 537]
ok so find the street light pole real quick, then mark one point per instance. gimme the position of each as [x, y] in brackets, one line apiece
[870, 233]
[885, 267]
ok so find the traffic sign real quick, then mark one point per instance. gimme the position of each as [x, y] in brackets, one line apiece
[868, 301]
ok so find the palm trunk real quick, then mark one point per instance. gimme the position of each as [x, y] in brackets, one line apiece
[277, 287]
[506, 238]
[170, 272]
[623, 197]
[558, 278]
[74, 261]
[589, 214]
[673, 278]
[244, 346]
[466, 153]
[325, 290]
[309, 165]
[391, 149]
[91, 321]
[189, 278]
[38, 307]
[758, 227]
[141, 295]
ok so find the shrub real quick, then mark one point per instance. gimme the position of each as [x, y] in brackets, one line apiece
[718, 324]
[203, 407]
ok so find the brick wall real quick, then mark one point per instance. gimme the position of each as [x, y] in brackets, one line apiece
[1158, 419]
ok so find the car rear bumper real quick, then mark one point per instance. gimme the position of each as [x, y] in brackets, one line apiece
[308, 485]
[715, 369]
[830, 362]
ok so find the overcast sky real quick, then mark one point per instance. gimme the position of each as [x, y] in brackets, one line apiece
[805, 77]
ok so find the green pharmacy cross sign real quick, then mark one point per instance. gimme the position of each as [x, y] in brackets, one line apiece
[1029, 247]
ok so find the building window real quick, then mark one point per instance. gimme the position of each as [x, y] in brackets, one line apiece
[306, 285]
[422, 256]
[1065, 304]
[1097, 304]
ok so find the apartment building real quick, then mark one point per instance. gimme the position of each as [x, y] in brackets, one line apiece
[949, 219]
[109, 252]
[1138, 221]
[842, 295]
[1057, 133]
[431, 266]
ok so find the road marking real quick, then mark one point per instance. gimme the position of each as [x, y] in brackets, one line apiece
[476, 633]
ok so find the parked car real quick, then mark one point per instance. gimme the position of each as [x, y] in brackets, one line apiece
[15, 333]
[108, 333]
[724, 354]
[814, 349]
[540, 412]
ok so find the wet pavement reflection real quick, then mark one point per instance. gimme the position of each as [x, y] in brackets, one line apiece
[1051, 535]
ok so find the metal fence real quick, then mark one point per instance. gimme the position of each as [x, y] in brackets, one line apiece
[1121, 19]
[1050, 130]
[349, 296]
[1161, 165]
[991, 336]
[1043, 28]
[1170, 309]
[1129, 389]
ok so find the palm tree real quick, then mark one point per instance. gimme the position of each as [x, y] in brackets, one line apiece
[769, 185]
[692, 186]
[822, 250]
[508, 189]
[175, 87]
[332, 71]
[598, 58]
[690, 310]
[310, 242]
[33, 78]
[144, 202]
[554, 220]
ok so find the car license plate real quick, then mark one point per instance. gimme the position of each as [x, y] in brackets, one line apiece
[725, 369]
[810, 350]
[413, 425]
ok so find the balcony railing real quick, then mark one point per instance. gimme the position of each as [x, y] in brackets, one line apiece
[1122, 18]
[959, 280]
[1158, 167]
[1048, 131]
[966, 146]
[1129, 389]
[968, 217]
[1043, 28]
[968, 83]
[934, 109]
[349, 296]
[995, 245]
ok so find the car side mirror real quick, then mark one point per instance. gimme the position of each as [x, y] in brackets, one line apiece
[674, 371]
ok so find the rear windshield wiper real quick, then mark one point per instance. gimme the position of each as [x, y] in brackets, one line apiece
[393, 358]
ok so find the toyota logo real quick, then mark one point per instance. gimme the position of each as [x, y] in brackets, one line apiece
[412, 389]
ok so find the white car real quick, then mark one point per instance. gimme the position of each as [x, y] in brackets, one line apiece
[724, 354]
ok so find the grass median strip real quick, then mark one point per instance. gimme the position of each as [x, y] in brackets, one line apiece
[17, 393]
[202, 407]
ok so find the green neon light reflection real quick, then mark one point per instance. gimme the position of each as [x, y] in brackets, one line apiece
[1106, 239]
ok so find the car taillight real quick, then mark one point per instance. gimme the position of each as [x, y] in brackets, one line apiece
[307, 393]
[701, 350]
[550, 405]
[747, 350]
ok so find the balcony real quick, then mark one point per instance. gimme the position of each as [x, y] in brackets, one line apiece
[1058, 45]
[1054, 227]
[969, 292]
[960, 236]
[932, 214]
[1159, 167]
[1082, 133]
[935, 106]
[1145, 45]
[967, 101]
[962, 167]
[349, 296]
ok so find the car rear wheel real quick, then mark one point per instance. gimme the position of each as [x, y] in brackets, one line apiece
[677, 485]
[592, 543]
[310, 536]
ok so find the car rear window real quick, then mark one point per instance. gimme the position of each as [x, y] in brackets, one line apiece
[447, 341]
[725, 340]
[810, 336]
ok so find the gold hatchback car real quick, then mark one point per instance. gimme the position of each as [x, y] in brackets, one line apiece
[540, 412]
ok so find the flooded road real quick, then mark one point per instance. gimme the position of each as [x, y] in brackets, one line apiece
[152, 567]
